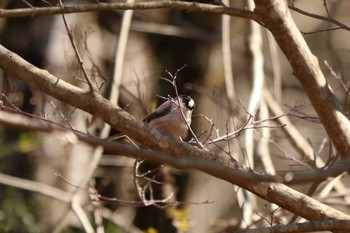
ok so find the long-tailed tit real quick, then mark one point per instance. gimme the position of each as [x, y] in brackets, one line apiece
[168, 119]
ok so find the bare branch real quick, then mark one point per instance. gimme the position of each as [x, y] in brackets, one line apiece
[146, 5]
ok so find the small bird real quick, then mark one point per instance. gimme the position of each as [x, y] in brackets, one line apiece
[168, 119]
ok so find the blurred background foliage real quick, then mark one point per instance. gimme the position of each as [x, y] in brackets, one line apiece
[159, 41]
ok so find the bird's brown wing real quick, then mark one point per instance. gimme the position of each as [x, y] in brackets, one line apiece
[162, 110]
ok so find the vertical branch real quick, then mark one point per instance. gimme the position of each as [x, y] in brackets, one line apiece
[263, 144]
[263, 150]
[255, 44]
[228, 71]
[120, 53]
[226, 53]
[276, 67]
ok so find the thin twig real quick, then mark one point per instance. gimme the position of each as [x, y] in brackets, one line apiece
[77, 54]
[324, 18]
